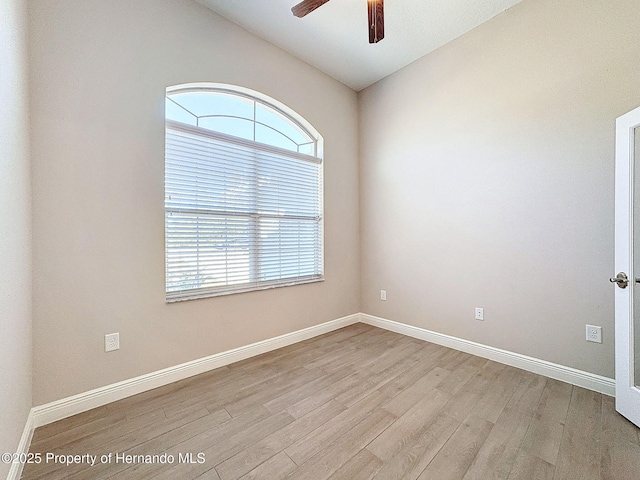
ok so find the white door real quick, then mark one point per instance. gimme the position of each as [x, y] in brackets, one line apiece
[627, 264]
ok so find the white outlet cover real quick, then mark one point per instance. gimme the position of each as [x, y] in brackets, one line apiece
[479, 313]
[383, 294]
[594, 334]
[111, 342]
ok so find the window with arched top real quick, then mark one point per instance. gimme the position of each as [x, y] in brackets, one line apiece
[243, 193]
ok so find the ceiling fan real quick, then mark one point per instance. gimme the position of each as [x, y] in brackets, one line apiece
[376, 15]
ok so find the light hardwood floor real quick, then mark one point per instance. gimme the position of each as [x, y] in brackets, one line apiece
[357, 403]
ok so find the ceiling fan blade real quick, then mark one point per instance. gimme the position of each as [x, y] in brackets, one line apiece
[307, 6]
[376, 20]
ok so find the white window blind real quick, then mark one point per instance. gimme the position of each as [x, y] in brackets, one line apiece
[240, 215]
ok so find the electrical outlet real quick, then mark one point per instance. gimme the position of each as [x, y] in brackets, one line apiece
[111, 342]
[479, 313]
[383, 294]
[594, 334]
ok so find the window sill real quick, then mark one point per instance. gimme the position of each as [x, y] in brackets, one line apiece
[195, 294]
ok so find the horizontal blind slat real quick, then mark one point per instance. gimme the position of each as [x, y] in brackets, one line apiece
[238, 216]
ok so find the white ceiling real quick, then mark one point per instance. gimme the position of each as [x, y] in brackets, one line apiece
[334, 38]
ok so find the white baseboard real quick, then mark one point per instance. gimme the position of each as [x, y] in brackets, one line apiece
[66, 407]
[570, 375]
[15, 472]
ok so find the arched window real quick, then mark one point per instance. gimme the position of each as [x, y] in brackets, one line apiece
[243, 193]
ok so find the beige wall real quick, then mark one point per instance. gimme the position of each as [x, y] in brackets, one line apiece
[487, 180]
[15, 230]
[99, 72]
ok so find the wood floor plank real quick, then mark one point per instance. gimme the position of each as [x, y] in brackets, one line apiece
[102, 441]
[322, 396]
[312, 443]
[114, 441]
[76, 433]
[527, 467]
[375, 381]
[455, 382]
[547, 426]
[227, 394]
[280, 356]
[391, 356]
[620, 450]
[294, 395]
[363, 466]
[176, 392]
[338, 357]
[492, 403]
[276, 468]
[186, 471]
[579, 454]
[425, 363]
[209, 475]
[188, 438]
[426, 385]
[460, 405]
[207, 388]
[526, 395]
[249, 458]
[452, 359]
[363, 357]
[496, 457]
[457, 454]
[614, 424]
[330, 459]
[403, 430]
[68, 424]
[345, 334]
[217, 452]
[273, 389]
[160, 394]
[355, 403]
[416, 454]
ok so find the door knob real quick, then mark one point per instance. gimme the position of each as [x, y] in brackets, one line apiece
[620, 279]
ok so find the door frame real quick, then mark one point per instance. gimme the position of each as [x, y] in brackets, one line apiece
[627, 394]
